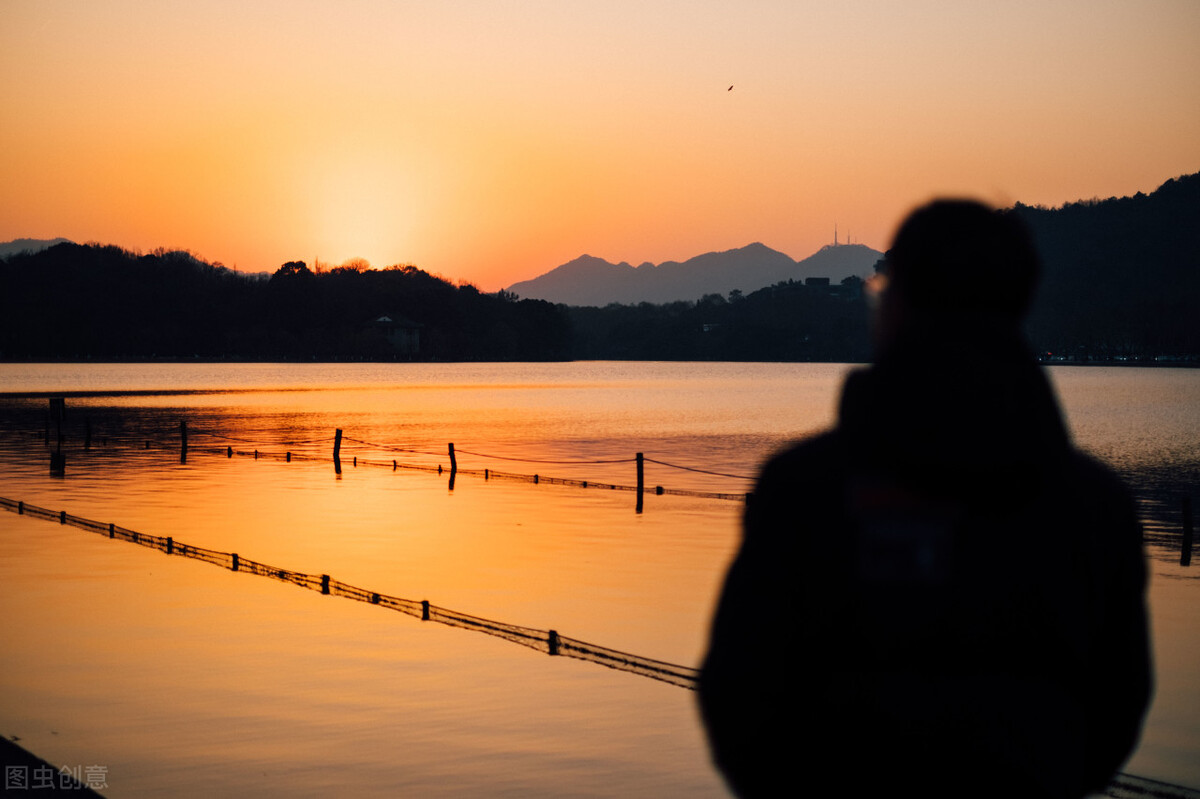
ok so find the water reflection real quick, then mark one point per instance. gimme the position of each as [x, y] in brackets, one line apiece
[163, 668]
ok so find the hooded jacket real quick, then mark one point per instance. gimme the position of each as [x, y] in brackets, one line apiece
[940, 593]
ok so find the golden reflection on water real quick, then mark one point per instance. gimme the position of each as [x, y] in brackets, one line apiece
[158, 665]
[195, 681]
[183, 677]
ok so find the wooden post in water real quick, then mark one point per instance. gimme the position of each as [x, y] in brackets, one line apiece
[424, 610]
[641, 480]
[58, 458]
[170, 544]
[337, 451]
[229, 452]
[453, 465]
[552, 641]
[234, 565]
[1185, 554]
[324, 583]
[183, 441]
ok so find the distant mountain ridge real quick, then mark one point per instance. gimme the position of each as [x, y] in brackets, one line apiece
[28, 245]
[592, 281]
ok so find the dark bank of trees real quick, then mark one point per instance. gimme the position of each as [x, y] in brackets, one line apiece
[1121, 283]
[1122, 275]
[789, 321]
[79, 302]
[91, 302]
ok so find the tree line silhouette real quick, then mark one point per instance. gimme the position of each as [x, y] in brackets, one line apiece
[72, 302]
[1122, 275]
[1122, 281]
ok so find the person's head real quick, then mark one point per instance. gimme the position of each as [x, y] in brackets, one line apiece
[957, 260]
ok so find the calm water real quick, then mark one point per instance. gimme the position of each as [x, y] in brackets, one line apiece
[186, 679]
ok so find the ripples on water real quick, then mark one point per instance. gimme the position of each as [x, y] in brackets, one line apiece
[183, 677]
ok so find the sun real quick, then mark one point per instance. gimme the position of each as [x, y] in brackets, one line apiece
[361, 206]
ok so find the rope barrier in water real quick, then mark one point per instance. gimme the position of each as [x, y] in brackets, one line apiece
[223, 437]
[540, 460]
[392, 448]
[548, 641]
[1122, 786]
[700, 471]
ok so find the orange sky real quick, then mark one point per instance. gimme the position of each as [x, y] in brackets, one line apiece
[491, 141]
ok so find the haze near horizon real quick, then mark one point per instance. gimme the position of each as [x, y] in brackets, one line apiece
[491, 144]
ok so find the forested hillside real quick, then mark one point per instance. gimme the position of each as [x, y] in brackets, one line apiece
[1121, 284]
[84, 302]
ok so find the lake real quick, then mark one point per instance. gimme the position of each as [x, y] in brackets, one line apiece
[187, 679]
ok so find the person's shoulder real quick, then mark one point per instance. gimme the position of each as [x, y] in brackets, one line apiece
[801, 457]
[1097, 479]
[1101, 503]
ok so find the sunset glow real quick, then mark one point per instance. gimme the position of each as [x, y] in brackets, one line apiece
[492, 142]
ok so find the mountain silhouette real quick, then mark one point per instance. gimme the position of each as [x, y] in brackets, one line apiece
[28, 245]
[592, 281]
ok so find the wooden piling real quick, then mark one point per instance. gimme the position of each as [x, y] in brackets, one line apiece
[234, 566]
[552, 641]
[453, 460]
[641, 480]
[289, 457]
[337, 450]
[324, 583]
[112, 530]
[170, 544]
[1185, 554]
[58, 458]
[229, 452]
[424, 610]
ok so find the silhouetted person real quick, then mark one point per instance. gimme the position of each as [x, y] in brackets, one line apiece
[940, 596]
